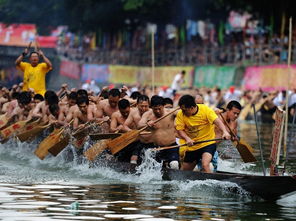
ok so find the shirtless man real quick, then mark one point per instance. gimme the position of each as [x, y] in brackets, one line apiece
[231, 114]
[24, 110]
[11, 105]
[85, 113]
[108, 106]
[73, 107]
[119, 117]
[162, 132]
[136, 113]
[41, 110]
[55, 117]
[117, 120]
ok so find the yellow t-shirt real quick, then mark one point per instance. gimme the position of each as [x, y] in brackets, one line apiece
[34, 77]
[198, 127]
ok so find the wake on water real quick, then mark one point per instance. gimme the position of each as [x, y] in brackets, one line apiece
[20, 165]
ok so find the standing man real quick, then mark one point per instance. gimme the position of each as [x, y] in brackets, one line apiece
[195, 122]
[178, 81]
[34, 72]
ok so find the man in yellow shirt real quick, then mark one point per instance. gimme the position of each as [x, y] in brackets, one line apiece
[34, 72]
[195, 122]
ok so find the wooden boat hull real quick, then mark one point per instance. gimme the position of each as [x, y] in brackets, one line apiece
[269, 188]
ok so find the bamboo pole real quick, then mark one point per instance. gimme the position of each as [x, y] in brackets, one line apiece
[152, 62]
[287, 93]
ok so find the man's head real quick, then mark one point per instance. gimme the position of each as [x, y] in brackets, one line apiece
[82, 103]
[143, 103]
[188, 105]
[15, 95]
[233, 110]
[24, 99]
[157, 105]
[48, 94]
[34, 58]
[199, 99]
[183, 72]
[81, 92]
[38, 98]
[51, 97]
[135, 95]
[124, 107]
[113, 97]
[72, 98]
[168, 102]
[54, 109]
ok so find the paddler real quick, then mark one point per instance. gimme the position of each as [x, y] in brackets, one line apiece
[195, 122]
[162, 133]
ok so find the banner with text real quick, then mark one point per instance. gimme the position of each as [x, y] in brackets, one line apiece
[163, 76]
[270, 77]
[70, 69]
[211, 76]
[99, 73]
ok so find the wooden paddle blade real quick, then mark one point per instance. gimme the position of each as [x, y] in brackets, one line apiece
[9, 131]
[42, 150]
[245, 150]
[60, 145]
[101, 136]
[78, 143]
[3, 120]
[29, 131]
[29, 134]
[96, 149]
[121, 142]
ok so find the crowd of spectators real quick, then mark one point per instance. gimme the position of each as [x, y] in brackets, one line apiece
[238, 48]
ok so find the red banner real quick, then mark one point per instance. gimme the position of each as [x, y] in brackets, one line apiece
[47, 41]
[70, 69]
[17, 34]
[22, 34]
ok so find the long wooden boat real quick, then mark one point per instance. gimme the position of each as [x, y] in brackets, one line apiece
[269, 188]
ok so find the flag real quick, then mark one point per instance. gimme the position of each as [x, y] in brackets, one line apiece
[221, 33]
[182, 35]
[271, 27]
[93, 42]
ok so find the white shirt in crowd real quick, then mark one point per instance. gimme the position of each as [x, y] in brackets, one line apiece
[236, 95]
[177, 82]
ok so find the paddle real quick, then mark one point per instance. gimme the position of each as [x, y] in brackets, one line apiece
[62, 142]
[81, 134]
[121, 142]
[31, 131]
[100, 146]
[3, 120]
[43, 148]
[96, 150]
[8, 131]
[185, 144]
[102, 136]
[244, 149]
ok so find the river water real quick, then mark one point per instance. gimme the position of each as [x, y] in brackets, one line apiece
[54, 189]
